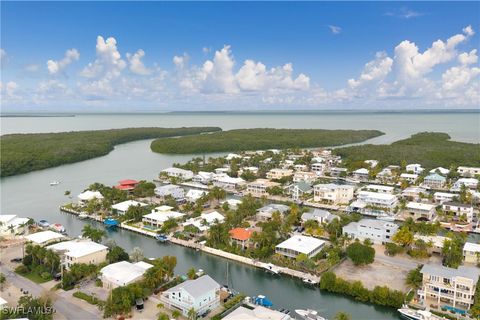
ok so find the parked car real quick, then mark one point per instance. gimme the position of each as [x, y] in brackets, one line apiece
[16, 260]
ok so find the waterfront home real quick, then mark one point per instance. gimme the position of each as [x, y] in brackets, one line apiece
[232, 203]
[299, 244]
[298, 189]
[409, 177]
[319, 215]
[203, 177]
[256, 313]
[333, 193]
[122, 273]
[205, 220]
[471, 252]
[159, 215]
[435, 241]
[305, 176]
[470, 183]
[44, 238]
[127, 185]
[414, 168]
[201, 295]
[170, 190]
[232, 156]
[379, 188]
[440, 170]
[241, 237]
[122, 207]
[338, 172]
[285, 164]
[80, 251]
[388, 174]
[378, 231]
[420, 211]
[221, 171]
[227, 183]
[193, 195]
[468, 171]
[277, 174]
[434, 181]
[414, 193]
[318, 167]
[458, 210]
[447, 286]
[371, 163]
[253, 170]
[86, 196]
[442, 197]
[265, 213]
[361, 174]
[11, 225]
[377, 203]
[259, 187]
[178, 173]
[300, 167]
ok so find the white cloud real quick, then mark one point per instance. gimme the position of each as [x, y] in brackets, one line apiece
[109, 62]
[55, 67]
[404, 13]
[468, 57]
[136, 64]
[33, 67]
[3, 54]
[335, 29]
[180, 61]
[374, 70]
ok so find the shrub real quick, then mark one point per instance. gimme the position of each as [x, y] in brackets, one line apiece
[360, 254]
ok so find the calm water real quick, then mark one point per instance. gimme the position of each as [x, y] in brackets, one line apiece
[30, 194]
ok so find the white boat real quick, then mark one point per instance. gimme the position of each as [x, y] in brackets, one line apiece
[309, 314]
[54, 183]
[272, 268]
[412, 314]
[83, 215]
[309, 281]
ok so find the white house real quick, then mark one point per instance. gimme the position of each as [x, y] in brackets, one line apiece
[299, 244]
[418, 210]
[193, 195]
[171, 190]
[232, 156]
[379, 188]
[361, 174]
[259, 187]
[159, 215]
[319, 215]
[88, 195]
[378, 231]
[265, 213]
[377, 201]
[471, 252]
[203, 177]
[434, 181]
[305, 176]
[11, 225]
[122, 207]
[371, 163]
[122, 273]
[338, 172]
[442, 197]
[415, 168]
[470, 183]
[458, 209]
[232, 203]
[333, 193]
[436, 241]
[43, 238]
[298, 189]
[178, 173]
[276, 174]
[413, 192]
[441, 170]
[201, 294]
[410, 177]
[205, 220]
[228, 183]
[256, 313]
[468, 171]
[317, 167]
[80, 251]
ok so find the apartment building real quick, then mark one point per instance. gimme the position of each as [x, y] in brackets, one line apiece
[259, 187]
[276, 174]
[333, 193]
[378, 231]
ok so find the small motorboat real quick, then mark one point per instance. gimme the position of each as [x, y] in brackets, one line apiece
[83, 215]
[309, 314]
[309, 281]
[54, 183]
[272, 268]
[43, 223]
[262, 300]
[162, 238]
[412, 314]
[58, 227]
[111, 223]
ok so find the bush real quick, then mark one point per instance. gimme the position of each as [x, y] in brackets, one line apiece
[45, 275]
[90, 299]
[98, 283]
[393, 249]
[360, 254]
[22, 269]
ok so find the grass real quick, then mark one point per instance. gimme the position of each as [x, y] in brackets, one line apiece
[34, 276]
[258, 139]
[90, 299]
[22, 153]
[430, 149]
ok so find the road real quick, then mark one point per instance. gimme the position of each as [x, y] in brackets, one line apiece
[61, 305]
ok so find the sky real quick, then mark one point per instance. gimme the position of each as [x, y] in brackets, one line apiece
[179, 56]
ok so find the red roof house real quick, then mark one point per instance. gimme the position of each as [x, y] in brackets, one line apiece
[127, 184]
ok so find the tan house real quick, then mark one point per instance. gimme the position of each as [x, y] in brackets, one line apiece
[471, 252]
[80, 251]
[259, 187]
[241, 237]
[333, 193]
[276, 174]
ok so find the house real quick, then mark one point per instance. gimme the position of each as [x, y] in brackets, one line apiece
[414, 168]
[228, 183]
[86, 196]
[409, 177]
[201, 295]
[203, 177]
[43, 238]
[193, 195]
[11, 225]
[305, 176]
[379, 188]
[388, 174]
[434, 181]
[470, 183]
[205, 220]
[471, 252]
[259, 187]
[318, 167]
[414, 193]
[159, 215]
[319, 215]
[253, 170]
[420, 211]
[222, 171]
[377, 203]
[468, 171]
[170, 190]
[442, 285]
[127, 185]
[442, 197]
[232, 203]
[178, 173]
[265, 213]
[122, 273]
[297, 190]
[338, 172]
[80, 251]
[371, 163]
[277, 174]
[299, 244]
[232, 156]
[122, 207]
[458, 210]
[333, 193]
[378, 231]
[300, 167]
[361, 174]
[256, 313]
[440, 170]
[241, 237]
[435, 241]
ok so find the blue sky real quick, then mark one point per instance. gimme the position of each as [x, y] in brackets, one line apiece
[327, 44]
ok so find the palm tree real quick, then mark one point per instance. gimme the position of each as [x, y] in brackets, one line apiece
[136, 254]
[342, 316]
[176, 314]
[192, 314]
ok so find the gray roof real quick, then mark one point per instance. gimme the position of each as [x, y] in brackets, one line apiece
[274, 207]
[319, 213]
[305, 187]
[198, 287]
[445, 272]
[457, 204]
[435, 176]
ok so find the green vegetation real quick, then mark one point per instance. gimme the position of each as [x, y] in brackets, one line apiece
[414, 278]
[260, 139]
[22, 153]
[452, 251]
[430, 149]
[117, 254]
[379, 295]
[76, 273]
[90, 299]
[39, 264]
[475, 310]
[40, 308]
[360, 253]
[92, 233]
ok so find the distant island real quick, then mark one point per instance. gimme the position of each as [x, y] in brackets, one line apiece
[22, 153]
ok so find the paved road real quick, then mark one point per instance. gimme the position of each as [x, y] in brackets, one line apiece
[398, 262]
[61, 305]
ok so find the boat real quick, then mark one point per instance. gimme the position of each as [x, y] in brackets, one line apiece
[58, 227]
[309, 281]
[110, 223]
[262, 300]
[43, 223]
[54, 183]
[309, 314]
[412, 314]
[83, 215]
[162, 238]
[272, 268]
